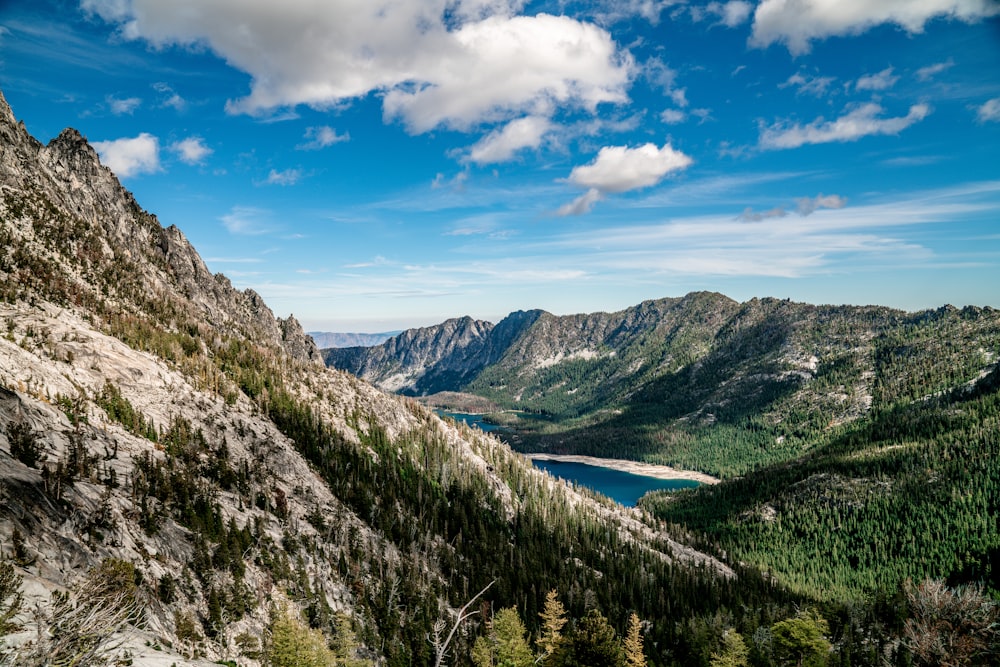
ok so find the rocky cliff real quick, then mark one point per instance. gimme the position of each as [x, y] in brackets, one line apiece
[101, 249]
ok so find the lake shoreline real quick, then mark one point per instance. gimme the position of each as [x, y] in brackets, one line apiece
[622, 465]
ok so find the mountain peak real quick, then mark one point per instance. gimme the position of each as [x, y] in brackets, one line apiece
[6, 113]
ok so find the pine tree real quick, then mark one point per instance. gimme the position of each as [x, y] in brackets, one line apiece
[734, 651]
[553, 617]
[594, 643]
[10, 597]
[506, 645]
[634, 656]
[294, 644]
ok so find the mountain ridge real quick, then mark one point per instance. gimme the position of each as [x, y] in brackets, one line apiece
[156, 421]
[675, 367]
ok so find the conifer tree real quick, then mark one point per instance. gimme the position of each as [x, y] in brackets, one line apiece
[634, 656]
[506, 644]
[553, 616]
[11, 598]
[734, 652]
[593, 643]
[294, 644]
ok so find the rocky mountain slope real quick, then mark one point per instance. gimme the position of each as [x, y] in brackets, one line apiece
[424, 361]
[157, 422]
[671, 380]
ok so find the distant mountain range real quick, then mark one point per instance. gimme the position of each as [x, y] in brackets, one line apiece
[858, 444]
[326, 339]
[632, 382]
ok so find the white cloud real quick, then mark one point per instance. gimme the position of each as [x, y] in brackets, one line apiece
[582, 204]
[989, 111]
[286, 177]
[806, 84]
[620, 168]
[170, 98]
[455, 63]
[247, 221]
[191, 150]
[673, 116]
[456, 183]
[129, 157]
[803, 206]
[796, 23]
[879, 81]
[321, 137]
[807, 205]
[661, 75]
[860, 122]
[120, 107]
[501, 145]
[731, 14]
[927, 73]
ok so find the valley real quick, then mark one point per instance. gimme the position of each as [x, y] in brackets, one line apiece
[185, 481]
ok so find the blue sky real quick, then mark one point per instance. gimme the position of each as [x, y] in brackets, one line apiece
[374, 165]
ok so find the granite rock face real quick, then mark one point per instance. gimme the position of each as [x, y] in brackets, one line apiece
[103, 243]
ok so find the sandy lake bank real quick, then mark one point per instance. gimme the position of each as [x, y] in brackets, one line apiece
[634, 467]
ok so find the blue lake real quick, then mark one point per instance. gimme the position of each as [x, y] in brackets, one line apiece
[471, 420]
[624, 487]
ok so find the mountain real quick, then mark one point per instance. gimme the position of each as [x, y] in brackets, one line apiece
[178, 467]
[432, 359]
[671, 380]
[860, 443]
[326, 339]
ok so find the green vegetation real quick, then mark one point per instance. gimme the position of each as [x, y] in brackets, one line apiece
[292, 643]
[24, 445]
[910, 492]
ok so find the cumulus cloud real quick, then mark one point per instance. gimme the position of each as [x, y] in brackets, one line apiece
[796, 23]
[879, 81]
[989, 111]
[129, 157]
[120, 107]
[191, 150]
[860, 122]
[286, 177]
[501, 145]
[455, 63]
[620, 168]
[321, 137]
